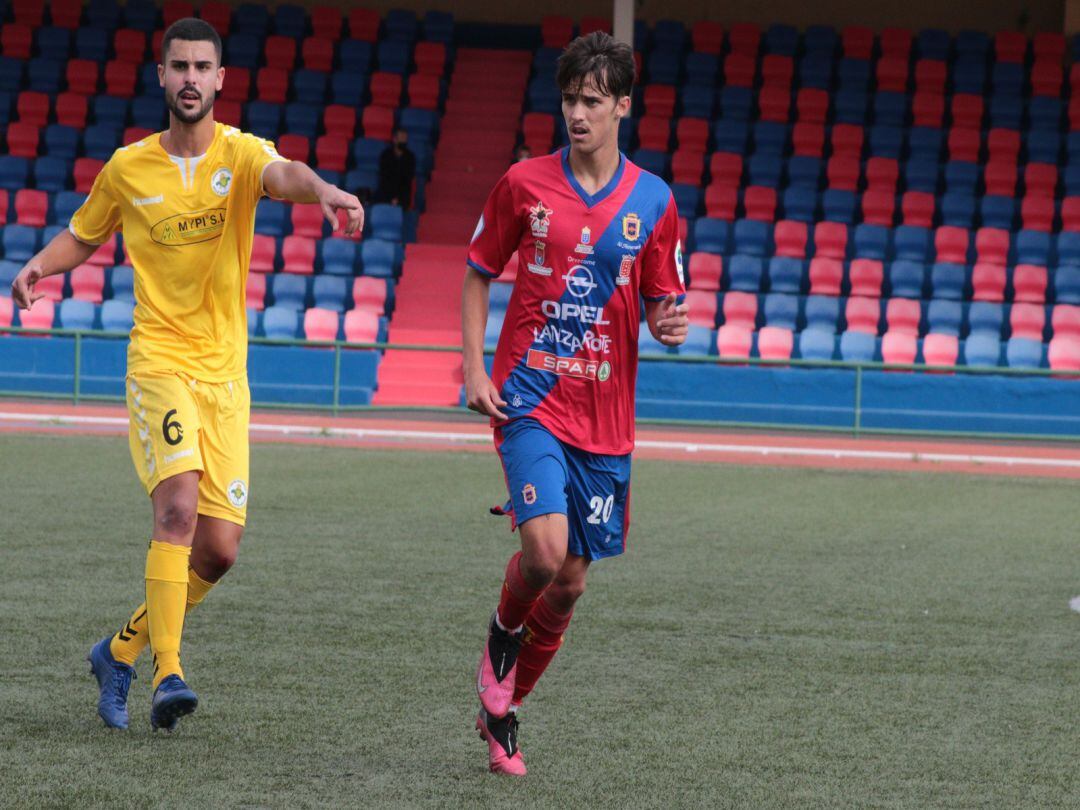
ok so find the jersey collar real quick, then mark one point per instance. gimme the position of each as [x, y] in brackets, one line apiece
[591, 199]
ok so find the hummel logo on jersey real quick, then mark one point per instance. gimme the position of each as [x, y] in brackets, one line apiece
[137, 201]
[540, 217]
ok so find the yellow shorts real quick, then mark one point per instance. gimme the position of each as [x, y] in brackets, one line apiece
[179, 424]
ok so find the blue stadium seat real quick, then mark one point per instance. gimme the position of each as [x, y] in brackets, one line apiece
[982, 349]
[857, 347]
[731, 135]
[816, 344]
[652, 161]
[1067, 285]
[348, 88]
[1044, 146]
[1024, 353]
[288, 290]
[697, 101]
[700, 340]
[545, 60]
[140, 15]
[330, 292]
[387, 222]
[770, 138]
[253, 19]
[338, 256]
[148, 82]
[850, 107]
[961, 176]
[997, 212]
[1007, 79]
[712, 235]
[1032, 247]
[104, 14]
[764, 170]
[924, 143]
[8, 271]
[363, 179]
[543, 96]
[745, 272]
[366, 153]
[800, 204]
[281, 323]
[701, 68]
[92, 44]
[11, 74]
[973, 45]
[870, 241]
[310, 85]
[1045, 114]
[499, 296]
[944, 317]
[54, 41]
[149, 113]
[804, 172]
[932, 43]
[969, 76]
[958, 208]
[839, 206]
[302, 118]
[815, 70]
[906, 278]
[890, 109]
[985, 317]
[921, 175]
[20, 242]
[110, 111]
[820, 40]
[272, 218]
[61, 142]
[121, 284]
[242, 50]
[439, 26]
[947, 283]
[1071, 178]
[355, 56]
[420, 124]
[6, 104]
[821, 312]
[66, 204]
[669, 35]
[885, 141]
[76, 314]
[752, 238]
[290, 21]
[781, 310]
[264, 119]
[854, 74]
[785, 275]
[393, 56]
[689, 199]
[118, 315]
[401, 25]
[45, 75]
[51, 173]
[1006, 112]
[912, 243]
[781, 39]
[379, 258]
[663, 67]
[736, 103]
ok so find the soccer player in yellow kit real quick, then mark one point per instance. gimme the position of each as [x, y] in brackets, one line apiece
[185, 201]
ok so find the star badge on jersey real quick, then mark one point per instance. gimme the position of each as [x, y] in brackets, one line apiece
[540, 217]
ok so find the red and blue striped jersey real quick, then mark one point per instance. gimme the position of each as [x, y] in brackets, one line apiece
[567, 354]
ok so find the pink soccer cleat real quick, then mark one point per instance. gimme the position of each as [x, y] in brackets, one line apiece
[501, 735]
[497, 673]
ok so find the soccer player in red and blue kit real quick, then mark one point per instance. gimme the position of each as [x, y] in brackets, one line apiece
[593, 233]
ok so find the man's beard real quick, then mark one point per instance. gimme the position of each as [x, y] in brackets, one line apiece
[194, 116]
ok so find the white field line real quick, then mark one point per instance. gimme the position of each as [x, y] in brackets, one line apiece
[760, 450]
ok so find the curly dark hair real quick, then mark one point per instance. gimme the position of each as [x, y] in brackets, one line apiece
[609, 62]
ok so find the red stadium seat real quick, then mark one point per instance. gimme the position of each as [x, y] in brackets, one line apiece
[940, 350]
[318, 54]
[156, 39]
[255, 296]
[31, 207]
[130, 45]
[892, 74]
[707, 36]
[706, 271]
[842, 173]
[964, 144]
[687, 167]
[896, 42]
[858, 42]
[865, 277]
[1063, 354]
[71, 109]
[734, 341]
[1070, 214]
[22, 139]
[660, 100]
[1040, 179]
[777, 70]
[386, 89]
[430, 58]
[774, 104]
[42, 313]
[307, 220]
[280, 52]
[4, 202]
[918, 208]
[32, 108]
[120, 78]
[951, 244]
[1010, 46]
[882, 174]
[66, 13]
[228, 112]
[1003, 145]
[927, 109]
[654, 132]
[556, 31]
[899, 348]
[902, 315]
[105, 255]
[812, 105]
[992, 245]
[332, 152]
[967, 111]
[294, 147]
[808, 140]
[52, 287]
[174, 10]
[825, 276]
[878, 207]
[363, 24]
[340, 119]
[298, 255]
[262, 253]
[790, 238]
[745, 39]
[720, 201]
[369, 294]
[740, 309]
[726, 168]
[237, 84]
[775, 343]
[378, 122]
[739, 70]
[692, 133]
[538, 129]
[702, 305]
[830, 239]
[1046, 78]
[84, 172]
[847, 140]
[7, 311]
[1048, 45]
[219, 15]
[361, 326]
[988, 282]
[590, 24]
[88, 283]
[1027, 321]
[424, 91]
[862, 314]
[760, 203]
[1029, 283]
[1065, 320]
[321, 324]
[16, 40]
[930, 76]
[1037, 214]
[272, 84]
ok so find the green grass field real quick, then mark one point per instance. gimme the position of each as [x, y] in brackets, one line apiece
[774, 638]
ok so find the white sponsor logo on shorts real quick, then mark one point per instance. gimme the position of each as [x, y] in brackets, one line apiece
[169, 459]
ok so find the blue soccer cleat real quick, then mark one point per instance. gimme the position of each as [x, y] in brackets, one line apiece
[172, 700]
[114, 680]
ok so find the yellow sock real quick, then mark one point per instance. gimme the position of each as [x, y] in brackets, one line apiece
[166, 601]
[132, 639]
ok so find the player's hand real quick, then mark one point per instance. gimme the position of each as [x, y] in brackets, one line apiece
[674, 322]
[22, 288]
[332, 198]
[482, 396]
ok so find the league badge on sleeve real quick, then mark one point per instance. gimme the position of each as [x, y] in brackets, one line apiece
[631, 227]
[540, 217]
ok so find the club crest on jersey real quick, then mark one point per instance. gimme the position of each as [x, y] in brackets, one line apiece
[586, 238]
[631, 227]
[221, 182]
[626, 267]
[537, 265]
[540, 217]
[528, 494]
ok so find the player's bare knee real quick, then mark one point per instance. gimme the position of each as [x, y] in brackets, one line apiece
[176, 519]
[563, 594]
[213, 564]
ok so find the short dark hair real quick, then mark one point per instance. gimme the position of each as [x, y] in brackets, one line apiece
[191, 29]
[603, 58]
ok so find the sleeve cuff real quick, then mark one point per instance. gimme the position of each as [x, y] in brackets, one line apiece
[680, 297]
[262, 174]
[71, 230]
[481, 270]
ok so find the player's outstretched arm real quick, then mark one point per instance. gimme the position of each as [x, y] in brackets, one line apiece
[668, 320]
[296, 182]
[481, 395]
[64, 252]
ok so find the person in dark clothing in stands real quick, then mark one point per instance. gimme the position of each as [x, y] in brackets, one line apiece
[397, 168]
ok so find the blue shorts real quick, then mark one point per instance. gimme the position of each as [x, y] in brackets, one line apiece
[545, 476]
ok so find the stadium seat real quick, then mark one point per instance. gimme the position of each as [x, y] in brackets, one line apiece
[378, 258]
[781, 310]
[882, 174]
[906, 278]
[372, 295]
[338, 256]
[817, 344]
[745, 272]
[308, 220]
[298, 255]
[808, 140]
[1063, 353]
[281, 322]
[862, 314]
[20, 242]
[785, 274]
[871, 241]
[263, 250]
[734, 341]
[1027, 321]
[706, 270]
[822, 312]
[899, 348]
[1024, 353]
[947, 280]
[76, 314]
[320, 324]
[31, 207]
[361, 326]
[255, 293]
[740, 309]
[825, 276]
[940, 350]
[982, 349]
[1029, 283]
[40, 315]
[775, 343]
[865, 277]
[702, 303]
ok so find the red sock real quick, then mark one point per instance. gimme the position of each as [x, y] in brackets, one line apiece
[543, 637]
[518, 596]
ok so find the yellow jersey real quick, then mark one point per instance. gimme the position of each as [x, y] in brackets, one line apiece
[188, 225]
